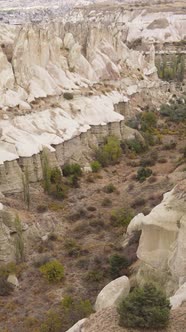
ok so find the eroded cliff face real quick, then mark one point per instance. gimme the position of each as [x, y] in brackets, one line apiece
[88, 58]
[41, 62]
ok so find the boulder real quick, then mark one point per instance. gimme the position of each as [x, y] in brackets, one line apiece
[112, 293]
[179, 297]
[78, 326]
[69, 41]
[12, 279]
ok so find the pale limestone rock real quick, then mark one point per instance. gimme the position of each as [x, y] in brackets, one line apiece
[80, 64]
[104, 68]
[112, 293]
[6, 72]
[24, 106]
[78, 327]
[162, 243]
[135, 224]
[69, 41]
[12, 279]
[7, 249]
[179, 297]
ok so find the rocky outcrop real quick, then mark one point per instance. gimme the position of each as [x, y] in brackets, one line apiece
[77, 149]
[179, 297]
[7, 247]
[161, 248]
[112, 293]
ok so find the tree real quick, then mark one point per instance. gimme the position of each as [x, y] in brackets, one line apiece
[145, 307]
[19, 242]
[26, 188]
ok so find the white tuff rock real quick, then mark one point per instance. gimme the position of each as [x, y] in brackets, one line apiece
[112, 293]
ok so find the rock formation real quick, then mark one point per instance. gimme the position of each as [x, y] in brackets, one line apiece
[162, 244]
[112, 293]
[42, 62]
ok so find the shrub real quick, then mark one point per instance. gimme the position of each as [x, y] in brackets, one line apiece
[143, 173]
[19, 241]
[149, 138]
[73, 181]
[106, 202]
[145, 307]
[53, 271]
[138, 202]
[96, 166]
[72, 169]
[110, 153]
[110, 188]
[162, 160]
[52, 322]
[73, 249]
[169, 146]
[5, 287]
[68, 95]
[134, 145]
[46, 171]
[58, 191]
[117, 264]
[148, 121]
[73, 310]
[42, 208]
[121, 217]
[94, 276]
[55, 175]
[11, 268]
[175, 111]
[150, 160]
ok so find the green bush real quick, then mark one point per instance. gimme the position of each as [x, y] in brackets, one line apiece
[117, 264]
[72, 310]
[96, 166]
[94, 276]
[143, 173]
[109, 188]
[5, 287]
[145, 307]
[73, 181]
[72, 169]
[121, 217]
[58, 190]
[52, 322]
[134, 145]
[175, 111]
[110, 152]
[55, 175]
[106, 202]
[68, 95]
[53, 271]
[148, 121]
[73, 249]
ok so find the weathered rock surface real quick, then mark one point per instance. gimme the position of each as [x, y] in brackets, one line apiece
[12, 279]
[179, 297]
[162, 244]
[7, 248]
[112, 293]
